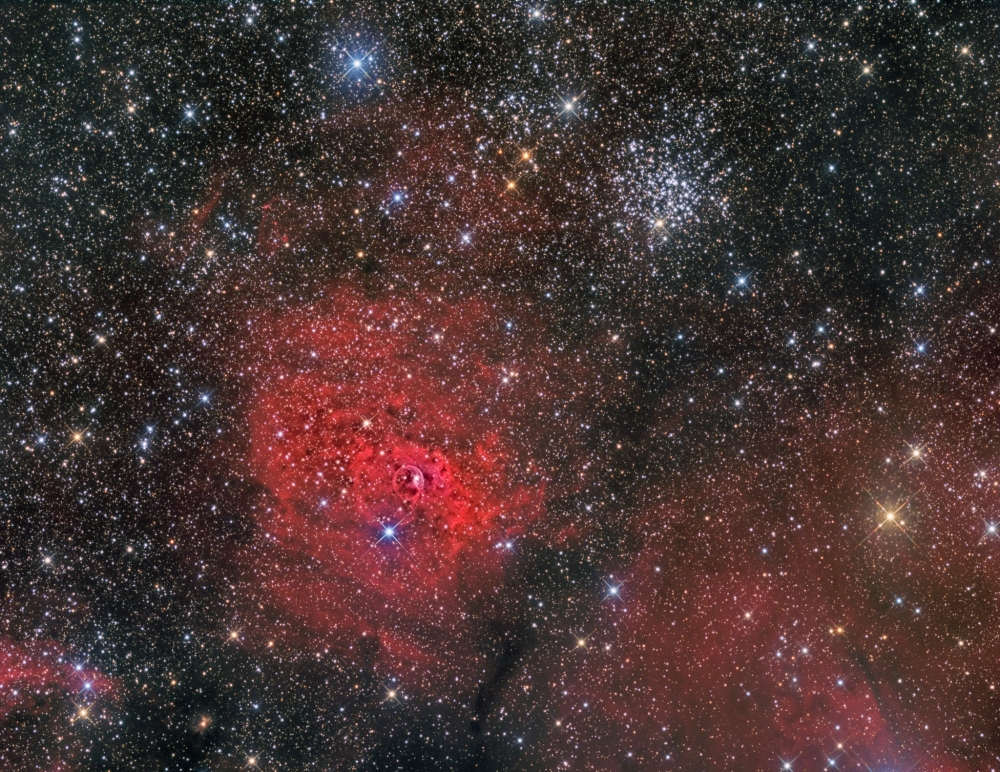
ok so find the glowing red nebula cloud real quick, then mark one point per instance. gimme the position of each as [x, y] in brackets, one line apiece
[408, 438]
[404, 441]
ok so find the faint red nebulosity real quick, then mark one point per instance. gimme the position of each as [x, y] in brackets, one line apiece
[797, 622]
[43, 693]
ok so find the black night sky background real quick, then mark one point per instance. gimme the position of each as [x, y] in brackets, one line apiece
[499, 386]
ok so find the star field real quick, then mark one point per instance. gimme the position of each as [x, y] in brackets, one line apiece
[499, 386]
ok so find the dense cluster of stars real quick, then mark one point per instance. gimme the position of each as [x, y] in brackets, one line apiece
[435, 385]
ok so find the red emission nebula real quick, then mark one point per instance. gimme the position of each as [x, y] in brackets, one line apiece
[400, 440]
[408, 437]
[410, 440]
